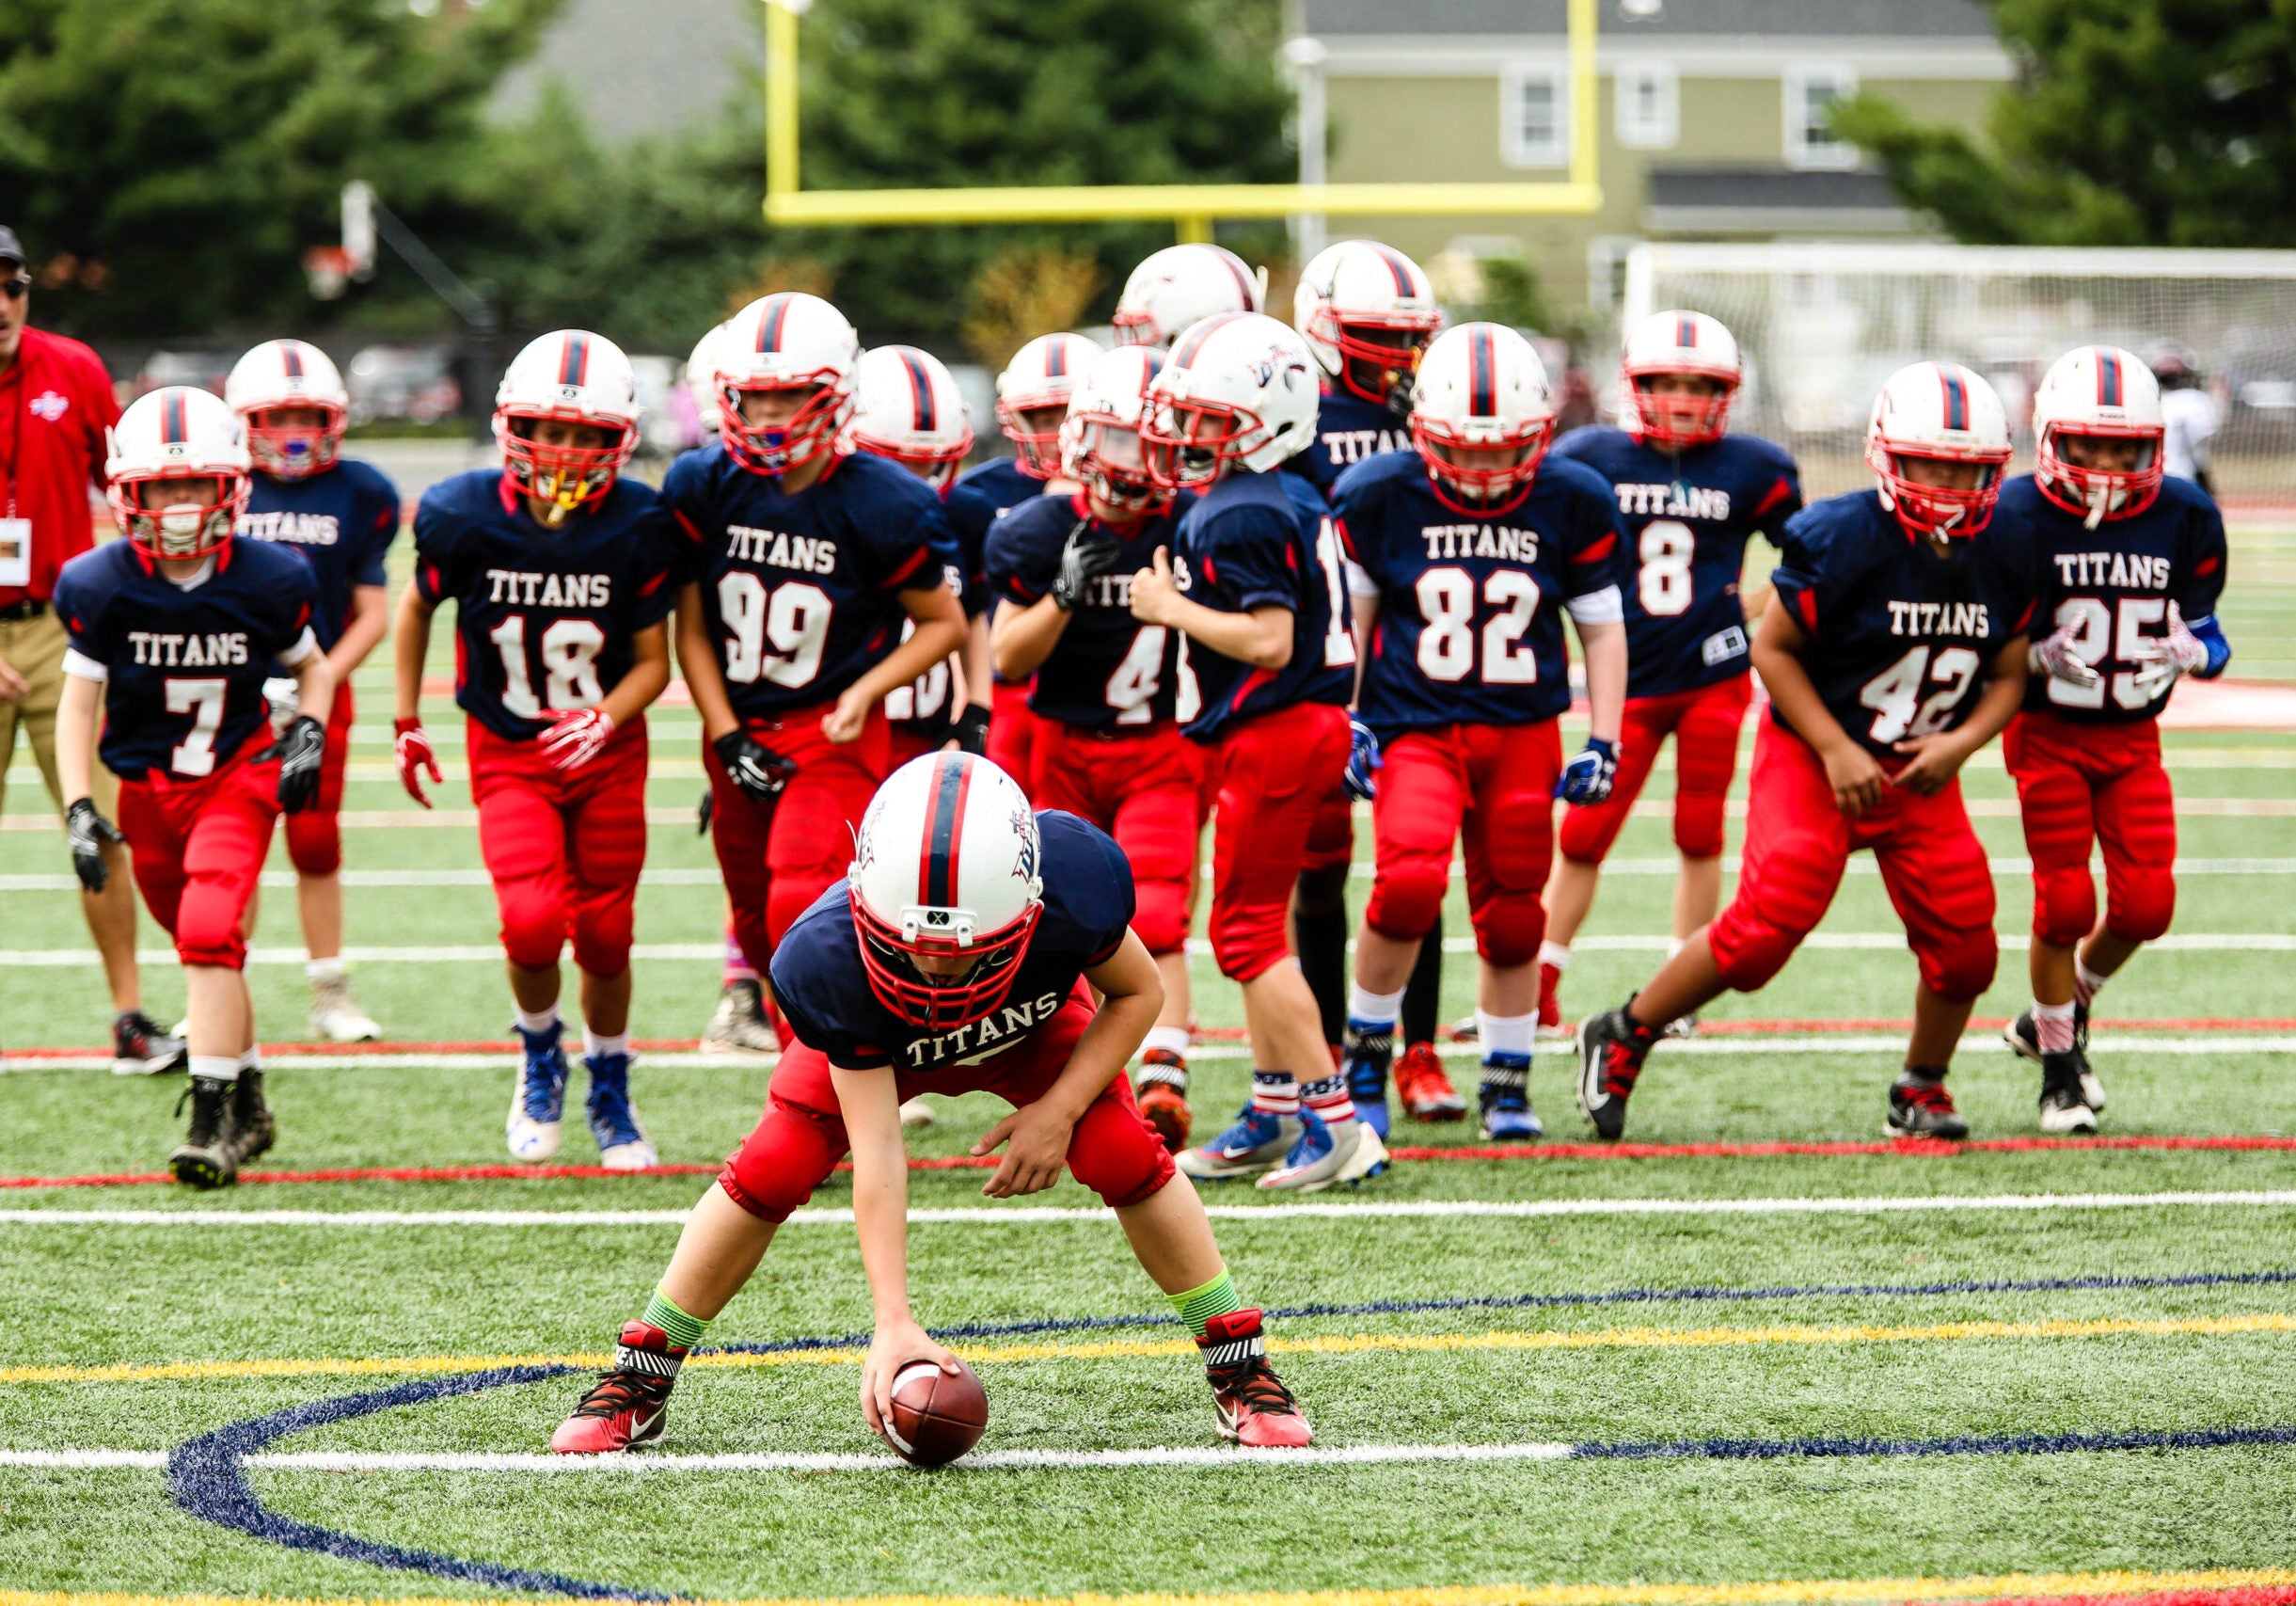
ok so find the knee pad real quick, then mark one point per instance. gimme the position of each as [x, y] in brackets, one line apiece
[1120, 1156]
[601, 938]
[2064, 904]
[1962, 968]
[1509, 930]
[1587, 833]
[1248, 945]
[1406, 900]
[782, 1161]
[207, 930]
[533, 924]
[1159, 917]
[314, 842]
[2139, 902]
[1697, 825]
[1750, 952]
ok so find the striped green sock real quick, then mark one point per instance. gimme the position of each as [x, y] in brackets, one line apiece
[1199, 1305]
[685, 1332]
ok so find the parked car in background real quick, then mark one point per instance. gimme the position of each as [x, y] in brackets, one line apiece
[411, 382]
[206, 369]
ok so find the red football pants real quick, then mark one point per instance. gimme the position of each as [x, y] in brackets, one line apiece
[197, 847]
[1489, 788]
[314, 838]
[1014, 728]
[904, 740]
[1142, 787]
[564, 846]
[777, 857]
[802, 1136]
[1331, 837]
[1704, 725]
[1268, 778]
[1798, 844]
[2077, 783]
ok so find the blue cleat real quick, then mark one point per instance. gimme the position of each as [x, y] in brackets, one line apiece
[1367, 1048]
[538, 1103]
[1256, 1142]
[1328, 1153]
[614, 1121]
[1505, 1098]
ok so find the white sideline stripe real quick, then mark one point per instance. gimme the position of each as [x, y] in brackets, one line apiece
[1035, 1215]
[644, 1462]
[74, 1461]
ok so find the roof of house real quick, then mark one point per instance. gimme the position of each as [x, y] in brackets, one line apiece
[1831, 19]
[642, 66]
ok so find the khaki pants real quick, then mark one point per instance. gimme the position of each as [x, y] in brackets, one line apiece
[34, 649]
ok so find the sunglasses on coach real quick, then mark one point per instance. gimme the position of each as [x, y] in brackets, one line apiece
[17, 288]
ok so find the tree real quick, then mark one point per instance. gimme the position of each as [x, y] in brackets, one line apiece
[2132, 123]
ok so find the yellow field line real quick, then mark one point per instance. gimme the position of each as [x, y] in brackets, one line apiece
[1991, 1586]
[1345, 1343]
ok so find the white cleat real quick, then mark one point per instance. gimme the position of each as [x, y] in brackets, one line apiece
[337, 1019]
[739, 1023]
[916, 1113]
[634, 1156]
[1322, 1157]
[531, 1140]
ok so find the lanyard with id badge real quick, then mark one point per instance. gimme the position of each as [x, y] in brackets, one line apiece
[15, 533]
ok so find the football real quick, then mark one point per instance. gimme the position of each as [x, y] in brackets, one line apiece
[937, 1416]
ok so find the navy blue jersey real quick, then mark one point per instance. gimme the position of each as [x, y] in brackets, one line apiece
[1108, 671]
[2113, 586]
[1470, 605]
[823, 991]
[801, 593]
[927, 699]
[184, 670]
[1001, 481]
[341, 519]
[1688, 520]
[1348, 430]
[1902, 636]
[1255, 541]
[969, 513]
[544, 619]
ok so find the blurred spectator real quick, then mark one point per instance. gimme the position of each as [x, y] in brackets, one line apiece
[2191, 415]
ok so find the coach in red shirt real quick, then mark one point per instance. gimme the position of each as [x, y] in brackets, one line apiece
[56, 405]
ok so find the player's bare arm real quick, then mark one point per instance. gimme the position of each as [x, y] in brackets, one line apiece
[76, 735]
[1024, 638]
[697, 660]
[648, 677]
[363, 630]
[939, 619]
[1604, 649]
[1262, 638]
[410, 646]
[1937, 759]
[1856, 776]
[315, 679]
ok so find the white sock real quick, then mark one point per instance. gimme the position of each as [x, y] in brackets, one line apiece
[216, 1067]
[1505, 1034]
[1172, 1040]
[594, 1045]
[252, 1060]
[2052, 1027]
[1373, 1009]
[539, 1022]
[1556, 954]
[319, 970]
[2086, 983]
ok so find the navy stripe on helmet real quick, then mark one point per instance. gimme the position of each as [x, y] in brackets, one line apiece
[1483, 374]
[1400, 266]
[1056, 359]
[173, 431]
[1244, 288]
[944, 819]
[921, 387]
[1957, 398]
[1204, 331]
[1685, 332]
[2108, 378]
[290, 359]
[770, 324]
[573, 362]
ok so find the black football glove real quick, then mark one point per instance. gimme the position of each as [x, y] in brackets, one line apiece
[300, 750]
[88, 831]
[1083, 559]
[750, 764]
[705, 811]
[971, 729]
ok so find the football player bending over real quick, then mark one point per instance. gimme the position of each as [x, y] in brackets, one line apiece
[561, 573]
[173, 632]
[2133, 563]
[1892, 649]
[1464, 555]
[960, 953]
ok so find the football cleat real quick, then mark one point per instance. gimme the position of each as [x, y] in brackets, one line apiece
[1504, 1099]
[209, 1155]
[2063, 1106]
[738, 1024]
[1611, 1048]
[1255, 1408]
[538, 1103]
[1550, 1007]
[1921, 1107]
[1425, 1088]
[1365, 1050]
[335, 1018]
[139, 1048]
[1256, 1142]
[628, 1405]
[1161, 1090]
[916, 1112]
[2025, 1038]
[613, 1119]
[253, 1130]
[1322, 1156]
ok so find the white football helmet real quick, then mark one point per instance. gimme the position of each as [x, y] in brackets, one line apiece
[177, 433]
[1239, 387]
[1181, 285]
[290, 374]
[907, 408]
[1942, 411]
[1100, 439]
[701, 380]
[571, 376]
[1481, 389]
[1681, 343]
[1039, 380]
[2102, 392]
[946, 867]
[788, 340]
[1367, 313]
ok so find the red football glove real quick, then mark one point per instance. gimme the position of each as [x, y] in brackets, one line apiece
[413, 748]
[573, 739]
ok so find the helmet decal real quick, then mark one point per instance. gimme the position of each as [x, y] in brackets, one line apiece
[2108, 378]
[172, 430]
[292, 360]
[921, 387]
[1400, 265]
[1685, 332]
[1956, 397]
[1056, 361]
[1482, 377]
[944, 813]
[574, 363]
[770, 327]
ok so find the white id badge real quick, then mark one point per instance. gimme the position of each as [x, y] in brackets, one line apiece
[15, 551]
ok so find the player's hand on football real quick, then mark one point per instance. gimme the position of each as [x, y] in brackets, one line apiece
[1587, 778]
[1156, 590]
[1933, 761]
[1362, 760]
[849, 717]
[893, 1346]
[412, 748]
[302, 752]
[88, 831]
[750, 764]
[2054, 656]
[1856, 777]
[1036, 1142]
[1083, 558]
[576, 736]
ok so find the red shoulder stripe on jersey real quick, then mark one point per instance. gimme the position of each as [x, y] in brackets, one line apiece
[1250, 684]
[917, 560]
[920, 390]
[1805, 603]
[1779, 493]
[573, 362]
[2205, 566]
[686, 524]
[2108, 378]
[2024, 620]
[1599, 552]
[290, 359]
[1347, 542]
[1482, 376]
[654, 585]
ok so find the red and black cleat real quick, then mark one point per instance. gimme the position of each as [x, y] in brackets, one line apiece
[1921, 1107]
[1255, 1410]
[1162, 1095]
[1611, 1048]
[628, 1406]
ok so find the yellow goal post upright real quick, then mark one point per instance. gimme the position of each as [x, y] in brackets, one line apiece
[1191, 208]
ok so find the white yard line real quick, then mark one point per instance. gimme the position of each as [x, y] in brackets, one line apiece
[1194, 1456]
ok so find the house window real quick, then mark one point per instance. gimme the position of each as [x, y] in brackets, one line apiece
[1649, 107]
[1809, 94]
[1534, 115]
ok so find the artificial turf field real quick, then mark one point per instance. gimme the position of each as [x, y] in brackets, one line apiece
[1707, 1377]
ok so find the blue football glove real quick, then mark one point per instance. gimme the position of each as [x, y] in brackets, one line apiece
[1362, 759]
[1586, 779]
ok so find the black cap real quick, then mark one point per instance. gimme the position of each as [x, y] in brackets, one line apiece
[10, 250]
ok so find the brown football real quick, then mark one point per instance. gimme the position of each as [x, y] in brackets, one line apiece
[937, 1416]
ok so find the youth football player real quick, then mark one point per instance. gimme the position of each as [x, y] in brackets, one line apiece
[804, 563]
[561, 572]
[2132, 562]
[1691, 496]
[173, 632]
[342, 515]
[960, 953]
[1110, 691]
[1464, 554]
[1894, 649]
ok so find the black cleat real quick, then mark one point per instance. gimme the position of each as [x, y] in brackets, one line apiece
[253, 1128]
[139, 1048]
[209, 1155]
[2063, 1105]
[1921, 1107]
[2023, 1036]
[1611, 1048]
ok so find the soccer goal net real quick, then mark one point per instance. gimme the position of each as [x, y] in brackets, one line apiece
[1823, 324]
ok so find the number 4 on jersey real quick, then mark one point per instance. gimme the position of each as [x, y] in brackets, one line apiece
[1894, 693]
